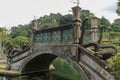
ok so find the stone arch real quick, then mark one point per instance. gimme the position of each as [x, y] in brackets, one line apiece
[45, 60]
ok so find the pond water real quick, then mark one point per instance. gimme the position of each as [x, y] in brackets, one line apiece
[35, 78]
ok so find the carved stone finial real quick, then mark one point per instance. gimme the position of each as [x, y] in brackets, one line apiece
[35, 23]
[77, 21]
[76, 13]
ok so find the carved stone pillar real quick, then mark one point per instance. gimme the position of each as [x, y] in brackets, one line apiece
[34, 24]
[77, 23]
[94, 23]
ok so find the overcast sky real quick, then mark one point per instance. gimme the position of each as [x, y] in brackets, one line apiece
[15, 12]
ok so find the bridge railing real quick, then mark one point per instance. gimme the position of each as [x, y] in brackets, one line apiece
[60, 34]
[20, 55]
[87, 37]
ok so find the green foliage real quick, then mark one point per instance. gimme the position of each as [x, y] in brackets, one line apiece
[114, 63]
[118, 7]
[65, 19]
[86, 14]
[115, 43]
[20, 30]
[49, 20]
[19, 41]
[116, 25]
[114, 35]
[105, 22]
[6, 41]
[3, 31]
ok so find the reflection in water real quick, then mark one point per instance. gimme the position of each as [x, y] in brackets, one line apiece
[21, 78]
[48, 77]
[33, 78]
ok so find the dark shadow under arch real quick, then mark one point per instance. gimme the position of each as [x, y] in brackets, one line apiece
[39, 63]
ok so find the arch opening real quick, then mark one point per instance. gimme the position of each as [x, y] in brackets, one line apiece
[39, 63]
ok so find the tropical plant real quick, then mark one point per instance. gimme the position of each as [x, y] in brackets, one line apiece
[19, 41]
[3, 31]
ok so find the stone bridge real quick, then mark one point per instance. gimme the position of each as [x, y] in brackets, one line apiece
[61, 41]
[89, 65]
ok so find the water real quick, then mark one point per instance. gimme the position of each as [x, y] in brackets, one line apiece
[23, 78]
[33, 78]
[49, 76]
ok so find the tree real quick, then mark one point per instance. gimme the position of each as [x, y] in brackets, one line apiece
[105, 22]
[86, 14]
[20, 30]
[49, 20]
[118, 7]
[20, 41]
[116, 25]
[65, 19]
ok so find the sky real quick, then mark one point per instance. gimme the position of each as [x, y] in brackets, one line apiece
[15, 12]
